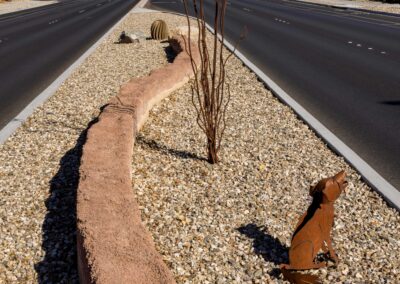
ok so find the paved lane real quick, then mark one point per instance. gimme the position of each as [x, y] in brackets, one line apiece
[343, 66]
[37, 45]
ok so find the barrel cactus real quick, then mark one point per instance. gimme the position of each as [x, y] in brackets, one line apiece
[159, 30]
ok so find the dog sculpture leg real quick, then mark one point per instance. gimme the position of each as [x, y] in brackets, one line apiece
[327, 246]
[302, 256]
[332, 253]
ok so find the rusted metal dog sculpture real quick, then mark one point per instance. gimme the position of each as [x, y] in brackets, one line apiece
[314, 228]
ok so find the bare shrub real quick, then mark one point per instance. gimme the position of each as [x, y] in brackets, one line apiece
[210, 91]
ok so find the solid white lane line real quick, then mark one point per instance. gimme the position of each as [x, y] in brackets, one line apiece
[378, 21]
[349, 16]
[359, 19]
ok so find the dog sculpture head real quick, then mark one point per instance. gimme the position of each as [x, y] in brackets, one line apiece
[330, 188]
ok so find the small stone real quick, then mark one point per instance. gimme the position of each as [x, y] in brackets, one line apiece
[345, 271]
[258, 273]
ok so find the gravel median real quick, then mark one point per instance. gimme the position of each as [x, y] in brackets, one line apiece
[222, 224]
[232, 222]
[39, 163]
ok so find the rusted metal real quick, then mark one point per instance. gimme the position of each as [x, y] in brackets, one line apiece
[313, 230]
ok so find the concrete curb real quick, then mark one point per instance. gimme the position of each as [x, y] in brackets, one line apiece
[374, 179]
[17, 121]
[113, 244]
[389, 193]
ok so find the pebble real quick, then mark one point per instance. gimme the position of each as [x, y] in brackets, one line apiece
[243, 210]
[39, 163]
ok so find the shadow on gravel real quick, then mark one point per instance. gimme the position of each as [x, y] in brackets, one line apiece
[270, 248]
[59, 228]
[169, 52]
[152, 144]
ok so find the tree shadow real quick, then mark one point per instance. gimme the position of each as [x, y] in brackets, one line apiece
[154, 145]
[59, 228]
[269, 247]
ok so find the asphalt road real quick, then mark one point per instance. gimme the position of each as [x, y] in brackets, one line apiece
[341, 65]
[37, 45]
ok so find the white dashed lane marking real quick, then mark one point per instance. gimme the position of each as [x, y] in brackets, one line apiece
[370, 48]
[53, 22]
[282, 21]
[81, 11]
[246, 9]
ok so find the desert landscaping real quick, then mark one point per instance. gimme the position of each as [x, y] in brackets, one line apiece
[230, 222]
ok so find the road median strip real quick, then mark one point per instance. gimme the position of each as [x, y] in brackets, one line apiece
[111, 237]
[120, 116]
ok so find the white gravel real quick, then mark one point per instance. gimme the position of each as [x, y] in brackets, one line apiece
[39, 163]
[19, 5]
[232, 222]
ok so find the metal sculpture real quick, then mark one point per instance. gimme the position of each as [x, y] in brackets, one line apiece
[313, 230]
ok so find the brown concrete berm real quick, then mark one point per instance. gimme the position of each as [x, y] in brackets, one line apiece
[113, 244]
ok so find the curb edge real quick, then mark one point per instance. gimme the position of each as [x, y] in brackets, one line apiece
[373, 178]
[378, 183]
[20, 118]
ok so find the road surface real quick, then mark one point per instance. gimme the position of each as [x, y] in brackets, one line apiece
[38, 44]
[341, 65]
